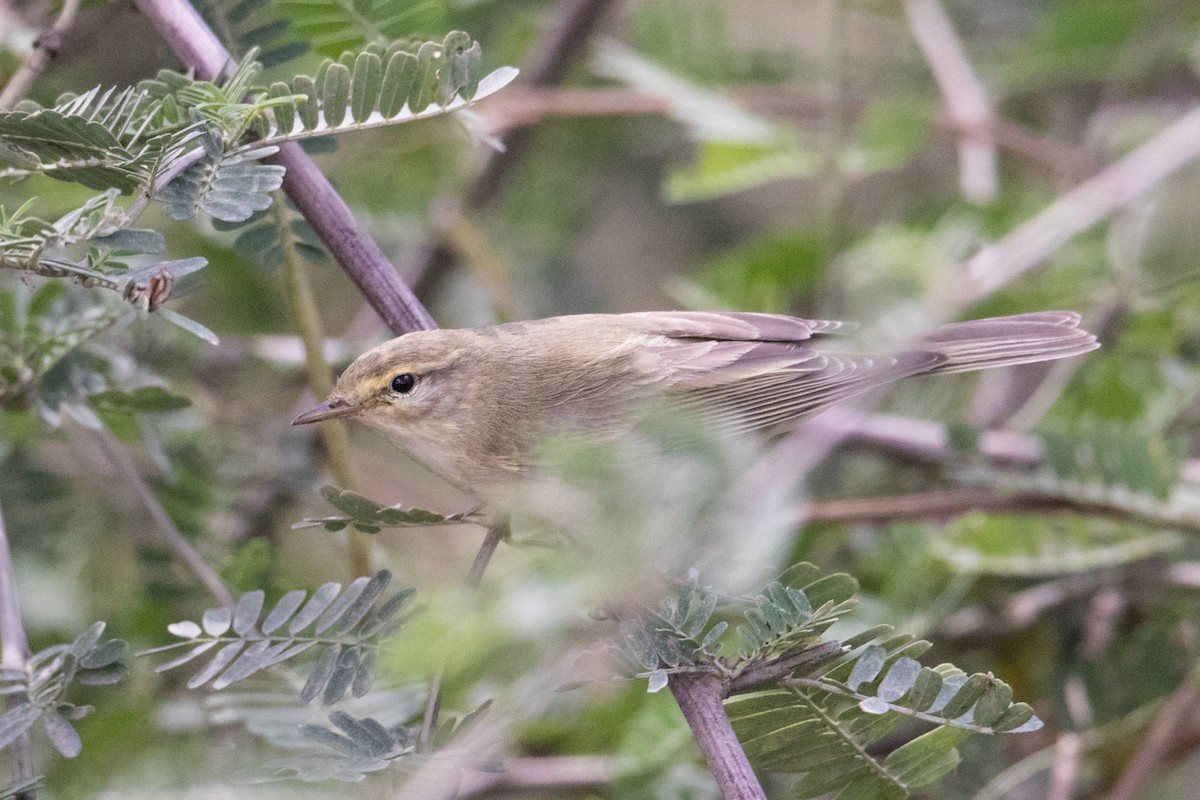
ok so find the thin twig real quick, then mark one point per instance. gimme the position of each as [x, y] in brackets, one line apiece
[1114, 187]
[497, 532]
[324, 209]
[1176, 714]
[578, 20]
[166, 527]
[921, 439]
[930, 441]
[946, 503]
[14, 650]
[45, 48]
[765, 673]
[964, 94]
[701, 697]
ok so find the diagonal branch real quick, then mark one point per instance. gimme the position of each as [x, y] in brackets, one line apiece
[1097, 198]
[355, 251]
[175, 539]
[940, 504]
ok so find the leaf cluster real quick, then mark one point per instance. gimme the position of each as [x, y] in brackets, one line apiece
[40, 687]
[685, 631]
[368, 516]
[340, 629]
[198, 146]
[808, 704]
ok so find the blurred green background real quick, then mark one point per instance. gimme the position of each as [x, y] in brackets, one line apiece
[793, 157]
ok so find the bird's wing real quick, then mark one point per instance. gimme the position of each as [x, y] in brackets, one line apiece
[770, 398]
[746, 370]
[733, 326]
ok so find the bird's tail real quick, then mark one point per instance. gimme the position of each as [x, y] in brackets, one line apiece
[1005, 341]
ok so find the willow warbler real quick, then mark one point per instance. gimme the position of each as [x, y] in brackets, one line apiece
[472, 404]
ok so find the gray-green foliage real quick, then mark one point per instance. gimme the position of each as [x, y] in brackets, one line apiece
[198, 146]
[370, 517]
[341, 629]
[351, 747]
[40, 687]
[48, 362]
[808, 704]
[1126, 477]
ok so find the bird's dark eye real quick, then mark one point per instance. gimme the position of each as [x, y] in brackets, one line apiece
[404, 382]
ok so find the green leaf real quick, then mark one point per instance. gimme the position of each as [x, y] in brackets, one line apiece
[398, 82]
[926, 759]
[308, 110]
[994, 704]
[925, 689]
[335, 97]
[966, 696]
[365, 86]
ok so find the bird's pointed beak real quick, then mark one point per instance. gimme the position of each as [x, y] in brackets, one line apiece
[330, 409]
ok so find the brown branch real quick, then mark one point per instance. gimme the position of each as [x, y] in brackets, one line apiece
[930, 441]
[947, 503]
[45, 49]
[935, 504]
[1068, 161]
[924, 440]
[324, 209]
[577, 23]
[14, 650]
[701, 697]
[522, 105]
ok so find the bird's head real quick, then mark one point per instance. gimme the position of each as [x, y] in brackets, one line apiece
[407, 386]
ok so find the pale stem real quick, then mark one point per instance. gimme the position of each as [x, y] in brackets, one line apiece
[14, 650]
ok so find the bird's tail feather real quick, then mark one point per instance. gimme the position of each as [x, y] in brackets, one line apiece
[1006, 341]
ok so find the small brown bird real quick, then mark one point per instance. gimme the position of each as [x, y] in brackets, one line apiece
[472, 404]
